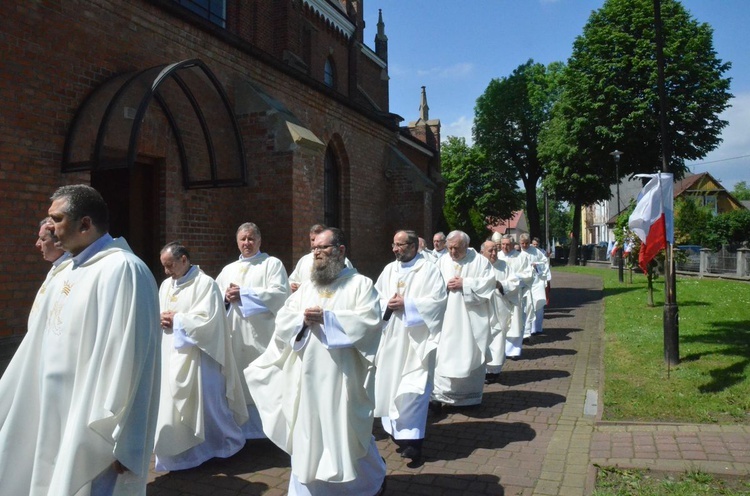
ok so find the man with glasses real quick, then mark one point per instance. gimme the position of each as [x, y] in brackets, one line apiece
[255, 287]
[438, 245]
[314, 384]
[461, 353]
[304, 266]
[413, 297]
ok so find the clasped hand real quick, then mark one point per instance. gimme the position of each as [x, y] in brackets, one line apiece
[313, 315]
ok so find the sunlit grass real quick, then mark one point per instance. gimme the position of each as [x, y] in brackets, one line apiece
[711, 382]
[617, 482]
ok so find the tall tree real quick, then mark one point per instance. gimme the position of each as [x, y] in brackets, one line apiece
[611, 100]
[475, 192]
[508, 118]
[741, 191]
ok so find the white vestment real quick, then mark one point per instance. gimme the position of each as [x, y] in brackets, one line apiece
[537, 296]
[264, 288]
[508, 313]
[460, 360]
[520, 265]
[82, 390]
[405, 361]
[314, 386]
[202, 404]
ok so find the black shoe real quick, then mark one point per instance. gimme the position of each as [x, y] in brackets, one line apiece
[435, 406]
[491, 378]
[412, 449]
[526, 340]
[412, 453]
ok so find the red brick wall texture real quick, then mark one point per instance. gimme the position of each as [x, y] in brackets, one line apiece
[57, 53]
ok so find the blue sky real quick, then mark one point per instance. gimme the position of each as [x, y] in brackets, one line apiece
[456, 47]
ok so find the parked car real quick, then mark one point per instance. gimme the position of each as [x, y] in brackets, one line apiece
[690, 249]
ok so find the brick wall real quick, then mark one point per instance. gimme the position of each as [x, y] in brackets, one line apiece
[56, 53]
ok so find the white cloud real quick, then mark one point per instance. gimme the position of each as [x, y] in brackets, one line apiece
[457, 71]
[730, 162]
[460, 128]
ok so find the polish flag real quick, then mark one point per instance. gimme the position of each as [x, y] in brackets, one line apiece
[653, 218]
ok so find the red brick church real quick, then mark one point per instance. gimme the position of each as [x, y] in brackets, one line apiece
[193, 116]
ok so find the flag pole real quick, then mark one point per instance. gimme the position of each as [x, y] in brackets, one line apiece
[671, 311]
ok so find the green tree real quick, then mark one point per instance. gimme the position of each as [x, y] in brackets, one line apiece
[571, 179]
[610, 99]
[560, 220]
[508, 117]
[611, 85]
[728, 228]
[474, 193]
[691, 222]
[741, 191]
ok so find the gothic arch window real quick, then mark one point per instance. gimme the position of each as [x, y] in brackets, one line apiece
[329, 74]
[182, 103]
[331, 211]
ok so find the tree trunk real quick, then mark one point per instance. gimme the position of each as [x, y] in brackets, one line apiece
[532, 212]
[575, 235]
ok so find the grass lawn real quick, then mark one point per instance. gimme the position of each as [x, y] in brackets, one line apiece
[711, 384]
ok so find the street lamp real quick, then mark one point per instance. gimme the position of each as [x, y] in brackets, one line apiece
[616, 155]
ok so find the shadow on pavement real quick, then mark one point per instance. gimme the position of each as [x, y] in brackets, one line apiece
[572, 297]
[458, 440]
[534, 353]
[518, 377]
[496, 403]
[458, 484]
[226, 473]
[174, 484]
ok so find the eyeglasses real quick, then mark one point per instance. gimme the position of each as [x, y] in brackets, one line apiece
[316, 249]
[400, 245]
[435, 241]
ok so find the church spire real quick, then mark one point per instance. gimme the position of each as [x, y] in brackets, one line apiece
[381, 40]
[424, 109]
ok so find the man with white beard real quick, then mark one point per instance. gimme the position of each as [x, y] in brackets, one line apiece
[508, 310]
[460, 359]
[520, 266]
[304, 267]
[413, 297]
[314, 385]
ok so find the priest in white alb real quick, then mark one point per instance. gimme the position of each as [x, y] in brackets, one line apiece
[255, 287]
[508, 310]
[413, 298]
[304, 266]
[78, 401]
[520, 265]
[202, 404]
[461, 354]
[537, 296]
[314, 384]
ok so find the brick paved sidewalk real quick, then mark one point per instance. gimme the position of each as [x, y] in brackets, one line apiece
[536, 432]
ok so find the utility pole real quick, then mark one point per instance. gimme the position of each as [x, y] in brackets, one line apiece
[671, 318]
[620, 263]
